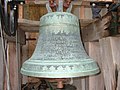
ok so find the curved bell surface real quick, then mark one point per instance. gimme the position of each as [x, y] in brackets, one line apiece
[59, 52]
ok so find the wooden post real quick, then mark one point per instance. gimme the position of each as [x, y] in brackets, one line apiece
[96, 82]
[115, 50]
[82, 12]
[77, 83]
[1, 67]
[20, 14]
[14, 67]
[24, 58]
[118, 83]
[108, 63]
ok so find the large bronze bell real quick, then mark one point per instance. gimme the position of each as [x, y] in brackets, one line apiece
[59, 52]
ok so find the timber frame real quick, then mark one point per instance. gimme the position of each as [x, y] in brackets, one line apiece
[102, 47]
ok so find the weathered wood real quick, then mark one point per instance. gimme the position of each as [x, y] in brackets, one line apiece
[32, 43]
[96, 82]
[82, 12]
[108, 63]
[83, 83]
[118, 82]
[85, 3]
[115, 48]
[21, 40]
[33, 26]
[96, 30]
[43, 2]
[28, 25]
[1, 67]
[27, 51]
[33, 11]
[115, 41]
[86, 79]
[85, 22]
[18, 59]
[24, 58]
[20, 10]
[21, 37]
[14, 68]
[77, 83]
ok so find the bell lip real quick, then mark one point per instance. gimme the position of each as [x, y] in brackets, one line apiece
[63, 75]
[59, 61]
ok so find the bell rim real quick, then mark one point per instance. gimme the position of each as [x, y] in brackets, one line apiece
[61, 75]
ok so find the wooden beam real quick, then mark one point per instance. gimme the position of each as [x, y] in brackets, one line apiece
[85, 22]
[28, 25]
[14, 67]
[21, 39]
[96, 82]
[75, 3]
[97, 29]
[33, 26]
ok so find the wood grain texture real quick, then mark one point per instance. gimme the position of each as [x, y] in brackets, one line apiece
[13, 66]
[27, 51]
[33, 11]
[33, 26]
[96, 82]
[24, 57]
[96, 30]
[77, 83]
[20, 11]
[115, 44]
[118, 82]
[1, 67]
[108, 65]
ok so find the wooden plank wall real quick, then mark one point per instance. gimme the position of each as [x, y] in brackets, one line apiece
[106, 52]
[14, 68]
[96, 82]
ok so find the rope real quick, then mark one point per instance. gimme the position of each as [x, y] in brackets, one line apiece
[5, 57]
[4, 48]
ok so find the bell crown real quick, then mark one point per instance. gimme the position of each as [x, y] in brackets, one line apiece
[59, 8]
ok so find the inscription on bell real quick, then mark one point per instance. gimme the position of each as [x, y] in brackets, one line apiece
[62, 46]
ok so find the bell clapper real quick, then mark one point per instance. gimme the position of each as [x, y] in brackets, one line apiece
[60, 83]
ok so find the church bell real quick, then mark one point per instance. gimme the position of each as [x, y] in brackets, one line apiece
[59, 52]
